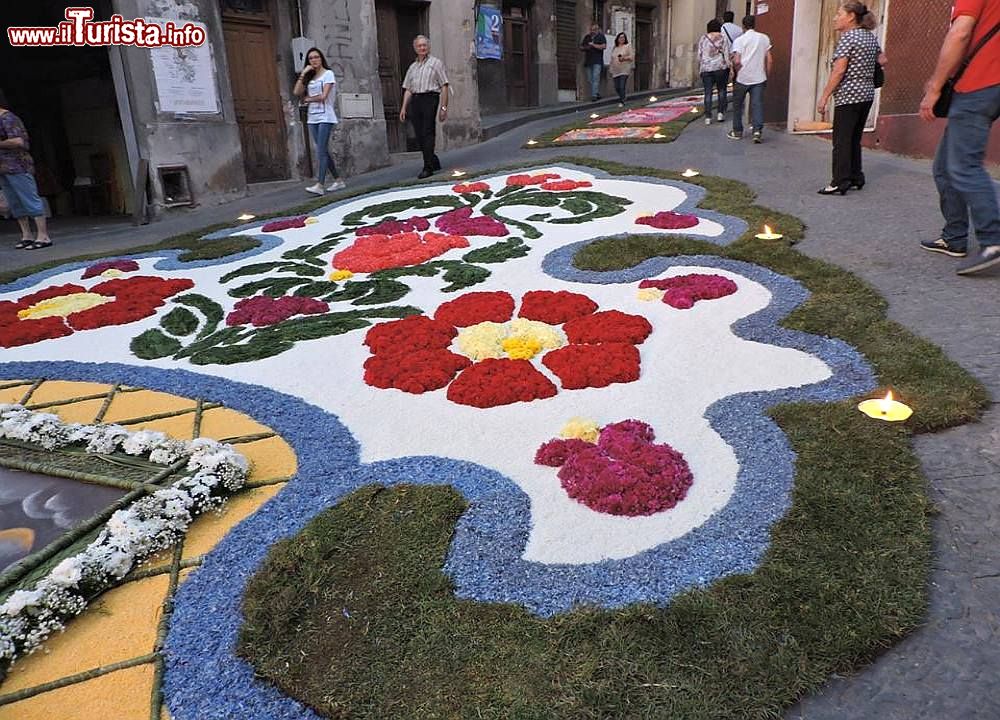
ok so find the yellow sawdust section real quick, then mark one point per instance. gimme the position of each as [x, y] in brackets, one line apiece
[121, 695]
[122, 624]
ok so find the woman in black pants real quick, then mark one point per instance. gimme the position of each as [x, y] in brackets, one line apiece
[852, 84]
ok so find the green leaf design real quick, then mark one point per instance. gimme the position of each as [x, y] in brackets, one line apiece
[212, 311]
[180, 322]
[539, 217]
[251, 269]
[382, 291]
[381, 210]
[461, 275]
[316, 289]
[153, 344]
[270, 286]
[498, 252]
[588, 205]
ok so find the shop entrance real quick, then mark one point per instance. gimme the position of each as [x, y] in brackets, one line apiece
[398, 24]
[66, 98]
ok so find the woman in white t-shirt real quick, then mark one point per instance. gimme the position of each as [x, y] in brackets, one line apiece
[317, 87]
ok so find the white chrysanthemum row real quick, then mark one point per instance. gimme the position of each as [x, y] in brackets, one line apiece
[148, 525]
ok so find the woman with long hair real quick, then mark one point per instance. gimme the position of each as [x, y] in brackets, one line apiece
[316, 86]
[713, 62]
[622, 58]
[852, 85]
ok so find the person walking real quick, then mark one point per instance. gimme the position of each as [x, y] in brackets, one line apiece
[622, 58]
[317, 86]
[713, 62]
[17, 180]
[424, 88]
[729, 27]
[852, 85]
[593, 45]
[962, 181]
[752, 62]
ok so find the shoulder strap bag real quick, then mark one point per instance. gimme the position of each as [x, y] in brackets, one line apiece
[943, 105]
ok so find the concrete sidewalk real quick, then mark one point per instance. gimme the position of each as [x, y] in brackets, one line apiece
[948, 669]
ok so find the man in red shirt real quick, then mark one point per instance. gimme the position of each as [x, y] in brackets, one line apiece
[962, 181]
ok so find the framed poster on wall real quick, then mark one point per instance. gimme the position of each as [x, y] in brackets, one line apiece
[489, 33]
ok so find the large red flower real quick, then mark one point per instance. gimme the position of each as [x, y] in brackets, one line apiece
[488, 357]
[59, 310]
[370, 253]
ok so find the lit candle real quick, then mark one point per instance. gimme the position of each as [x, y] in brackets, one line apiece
[532, 141]
[246, 216]
[886, 409]
[658, 136]
[769, 234]
[594, 116]
[458, 173]
[690, 173]
[694, 110]
[652, 99]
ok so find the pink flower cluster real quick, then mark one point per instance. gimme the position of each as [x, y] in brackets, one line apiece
[285, 224]
[683, 291]
[394, 227]
[262, 310]
[461, 222]
[624, 473]
[668, 220]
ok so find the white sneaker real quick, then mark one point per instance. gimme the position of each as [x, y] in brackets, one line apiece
[720, 117]
[337, 184]
[708, 120]
[316, 189]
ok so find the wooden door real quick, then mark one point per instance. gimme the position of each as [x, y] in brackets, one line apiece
[643, 48]
[828, 37]
[389, 75]
[253, 77]
[568, 55]
[517, 56]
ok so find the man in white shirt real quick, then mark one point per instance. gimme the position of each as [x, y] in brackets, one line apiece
[752, 62]
[729, 27]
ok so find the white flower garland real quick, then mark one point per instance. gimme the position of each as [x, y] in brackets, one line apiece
[150, 524]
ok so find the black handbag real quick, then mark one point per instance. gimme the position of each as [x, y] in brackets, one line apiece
[879, 78]
[943, 104]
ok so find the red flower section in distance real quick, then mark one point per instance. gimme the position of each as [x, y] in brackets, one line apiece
[668, 220]
[539, 179]
[285, 224]
[566, 184]
[473, 187]
[476, 307]
[121, 265]
[370, 253]
[461, 222]
[683, 291]
[492, 382]
[624, 473]
[394, 227]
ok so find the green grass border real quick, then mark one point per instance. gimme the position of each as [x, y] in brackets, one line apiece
[844, 578]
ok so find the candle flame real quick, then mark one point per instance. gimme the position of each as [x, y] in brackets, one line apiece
[458, 173]
[532, 142]
[594, 116]
[694, 109]
[652, 99]
[246, 216]
[768, 230]
[885, 404]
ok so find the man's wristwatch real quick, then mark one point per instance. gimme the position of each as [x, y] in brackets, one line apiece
[444, 107]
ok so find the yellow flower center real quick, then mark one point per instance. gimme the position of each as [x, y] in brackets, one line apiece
[650, 294]
[63, 305]
[112, 273]
[518, 339]
[341, 275]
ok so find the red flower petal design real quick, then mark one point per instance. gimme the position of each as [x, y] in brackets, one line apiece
[555, 307]
[262, 310]
[608, 326]
[461, 222]
[394, 227]
[566, 184]
[18, 332]
[494, 382]
[417, 332]
[135, 298]
[683, 291]
[370, 253]
[531, 179]
[286, 224]
[474, 187]
[594, 366]
[414, 372]
[668, 220]
[476, 307]
[122, 265]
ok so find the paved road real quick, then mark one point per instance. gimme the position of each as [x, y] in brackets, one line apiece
[949, 669]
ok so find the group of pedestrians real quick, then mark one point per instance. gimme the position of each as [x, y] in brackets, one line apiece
[740, 56]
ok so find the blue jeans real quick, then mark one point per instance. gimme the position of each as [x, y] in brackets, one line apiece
[321, 139]
[962, 182]
[594, 75]
[22, 195]
[716, 80]
[756, 106]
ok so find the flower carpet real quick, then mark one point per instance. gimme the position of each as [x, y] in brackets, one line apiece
[653, 122]
[607, 436]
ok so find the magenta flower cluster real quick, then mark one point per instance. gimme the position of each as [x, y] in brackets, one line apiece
[122, 265]
[285, 224]
[624, 473]
[683, 291]
[395, 227]
[461, 222]
[262, 310]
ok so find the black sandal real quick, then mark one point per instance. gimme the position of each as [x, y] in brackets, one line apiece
[38, 245]
[24, 244]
